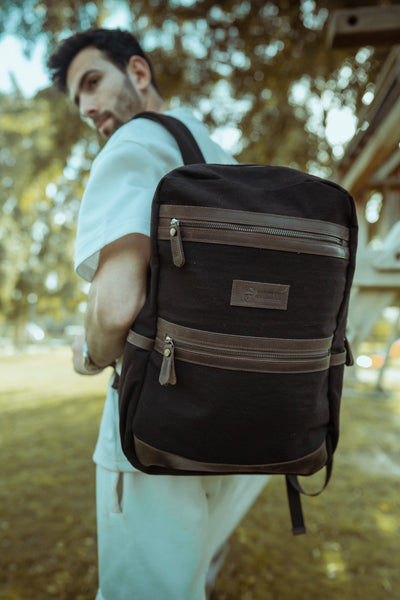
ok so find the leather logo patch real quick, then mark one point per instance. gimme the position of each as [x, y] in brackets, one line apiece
[256, 294]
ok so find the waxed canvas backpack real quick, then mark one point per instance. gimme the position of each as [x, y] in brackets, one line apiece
[235, 363]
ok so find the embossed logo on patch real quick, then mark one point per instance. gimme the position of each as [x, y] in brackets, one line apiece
[256, 294]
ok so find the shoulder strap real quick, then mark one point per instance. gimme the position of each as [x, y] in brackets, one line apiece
[188, 146]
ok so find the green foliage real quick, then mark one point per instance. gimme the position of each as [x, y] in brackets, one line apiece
[257, 48]
[37, 227]
[237, 62]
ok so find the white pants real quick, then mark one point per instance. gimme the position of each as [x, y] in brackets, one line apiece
[157, 534]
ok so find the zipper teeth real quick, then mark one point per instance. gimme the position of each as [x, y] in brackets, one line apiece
[259, 229]
[250, 354]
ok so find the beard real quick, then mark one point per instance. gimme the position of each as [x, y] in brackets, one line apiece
[127, 104]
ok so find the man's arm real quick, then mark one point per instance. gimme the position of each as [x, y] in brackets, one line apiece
[116, 296]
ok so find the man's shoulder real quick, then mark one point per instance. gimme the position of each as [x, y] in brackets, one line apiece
[139, 133]
[138, 129]
[136, 136]
[143, 134]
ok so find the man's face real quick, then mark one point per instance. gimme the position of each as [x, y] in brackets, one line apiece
[106, 97]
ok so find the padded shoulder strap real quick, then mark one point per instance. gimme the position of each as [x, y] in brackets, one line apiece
[188, 146]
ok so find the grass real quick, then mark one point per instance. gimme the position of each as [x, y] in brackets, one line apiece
[49, 423]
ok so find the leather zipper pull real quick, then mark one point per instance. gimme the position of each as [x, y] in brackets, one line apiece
[167, 372]
[178, 255]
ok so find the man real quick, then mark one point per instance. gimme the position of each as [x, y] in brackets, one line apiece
[157, 535]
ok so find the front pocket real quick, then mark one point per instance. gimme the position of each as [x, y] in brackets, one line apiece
[257, 230]
[237, 352]
[232, 417]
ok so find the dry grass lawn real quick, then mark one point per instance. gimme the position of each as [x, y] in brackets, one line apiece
[49, 422]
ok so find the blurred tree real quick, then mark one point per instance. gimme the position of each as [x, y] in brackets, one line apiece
[235, 60]
[261, 66]
[39, 205]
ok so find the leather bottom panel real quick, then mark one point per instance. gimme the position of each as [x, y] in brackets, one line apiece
[306, 465]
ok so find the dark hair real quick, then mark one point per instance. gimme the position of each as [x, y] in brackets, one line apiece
[116, 44]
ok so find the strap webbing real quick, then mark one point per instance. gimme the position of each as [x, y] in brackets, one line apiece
[294, 490]
[139, 340]
[188, 146]
[296, 485]
[338, 359]
[296, 511]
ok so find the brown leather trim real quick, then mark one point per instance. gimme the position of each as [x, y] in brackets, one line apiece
[306, 465]
[226, 341]
[337, 247]
[140, 340]
[255, 294]
[249, 364]
[244, 353]
[240, 217]
[240, 342]
[259, 240]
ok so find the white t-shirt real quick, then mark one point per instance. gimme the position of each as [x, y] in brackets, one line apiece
[117, 201]
[123, 179]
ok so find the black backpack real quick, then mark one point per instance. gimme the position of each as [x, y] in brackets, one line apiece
[235, 363]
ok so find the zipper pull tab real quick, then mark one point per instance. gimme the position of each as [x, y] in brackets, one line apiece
[167, 372]
[178, 255]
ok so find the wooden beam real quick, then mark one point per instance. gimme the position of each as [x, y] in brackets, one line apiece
[379, 148]
[366, 26]
[387, 91]
[390, 182]
[388, 169]
[366, 306]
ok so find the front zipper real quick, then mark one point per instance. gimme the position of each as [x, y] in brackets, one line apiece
[177, 250]
[247, 353]
[223, 356]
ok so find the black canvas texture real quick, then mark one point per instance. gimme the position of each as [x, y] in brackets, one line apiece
[216, 415]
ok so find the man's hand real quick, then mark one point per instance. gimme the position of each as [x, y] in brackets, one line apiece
[77, 358]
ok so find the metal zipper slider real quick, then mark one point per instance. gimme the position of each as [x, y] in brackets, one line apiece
[167, 372]
[178, 255]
